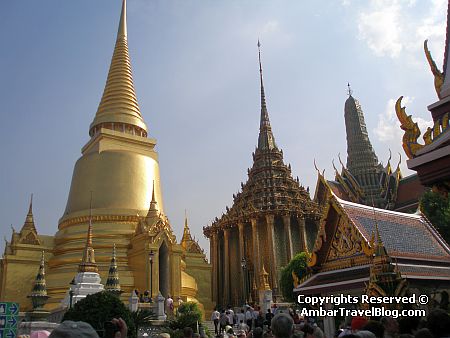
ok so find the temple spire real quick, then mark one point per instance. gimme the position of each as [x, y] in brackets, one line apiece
[265, 139]
[88, 263]
[122, 31]
[118, 108]
[39, 292]
[186, 231]
[29, 220]
[153, 210]
[113, 281]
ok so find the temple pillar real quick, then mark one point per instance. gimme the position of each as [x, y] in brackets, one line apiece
[256, 254]
[226, 253]
[241, 255]
[270, 220]
[302, 234]
[214, 263]
[287, 231]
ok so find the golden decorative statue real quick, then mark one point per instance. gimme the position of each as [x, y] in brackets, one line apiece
[411, 128]
[438, 75]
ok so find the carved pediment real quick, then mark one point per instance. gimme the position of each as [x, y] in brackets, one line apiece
[29, 238]
[346, 242]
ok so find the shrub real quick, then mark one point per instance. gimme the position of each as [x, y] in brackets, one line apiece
[296, 265]
[98, 308]
[188, 315]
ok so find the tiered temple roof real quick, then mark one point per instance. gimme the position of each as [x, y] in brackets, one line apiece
[270, 187]
[364, 179]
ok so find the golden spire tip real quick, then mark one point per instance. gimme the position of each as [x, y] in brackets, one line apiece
[122, 32]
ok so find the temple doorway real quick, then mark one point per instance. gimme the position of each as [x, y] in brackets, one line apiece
[164, 272]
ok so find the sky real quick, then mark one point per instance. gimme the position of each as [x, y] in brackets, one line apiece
[195, 70]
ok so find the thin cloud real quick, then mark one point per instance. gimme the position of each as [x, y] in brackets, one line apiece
[389, 29]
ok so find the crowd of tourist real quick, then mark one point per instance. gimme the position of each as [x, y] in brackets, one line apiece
[253, 323]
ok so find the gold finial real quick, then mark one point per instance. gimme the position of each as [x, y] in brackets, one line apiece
[30, 209]
[119, 105]
[153, 210]
[122, 31]
[29, 226]
[263, 278]
[349, 90]
[88, 263]
[185, 220]
[153, 192]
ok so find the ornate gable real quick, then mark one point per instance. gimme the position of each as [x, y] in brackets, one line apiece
[339, 243]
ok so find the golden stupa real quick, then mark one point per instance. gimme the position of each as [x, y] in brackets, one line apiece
[119, 168]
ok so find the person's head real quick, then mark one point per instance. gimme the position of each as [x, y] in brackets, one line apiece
[187, 332]
[163, 335]
[375, 327]
[365, 334]
[423, 333]
[282, 325]
[438, 322]
[241, 334]
[268, 310]
[70, 329]
[358, 323]
[242, 311]
[257, 332]
[307, 329]
[318, 333]
[390, 325]
[408, 325]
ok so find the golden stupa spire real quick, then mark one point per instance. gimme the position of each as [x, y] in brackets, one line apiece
[88, 263]
[186, 240]
[29, 220]
[119, 108]
[153, 210]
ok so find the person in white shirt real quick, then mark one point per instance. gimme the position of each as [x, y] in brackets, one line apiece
[249, 317]
[215, 318]
[230, 310]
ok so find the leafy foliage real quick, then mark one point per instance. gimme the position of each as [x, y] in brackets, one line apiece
[142, 317]
[437, 209]
[98, 308]
[296, 265]
[188, 315]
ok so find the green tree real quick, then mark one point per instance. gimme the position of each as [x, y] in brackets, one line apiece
[296, 265]
[98, 308]
[437, 209]
[188, 315]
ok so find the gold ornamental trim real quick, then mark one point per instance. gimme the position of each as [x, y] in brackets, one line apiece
[99, 219]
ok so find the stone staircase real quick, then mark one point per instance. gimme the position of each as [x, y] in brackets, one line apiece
[210, 325]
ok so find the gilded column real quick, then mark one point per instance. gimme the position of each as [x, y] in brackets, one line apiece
[302, 231]
[256, 254]
[241, 255]
[287, 231]
[270, 219]
[226, 253]
[214, 263]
